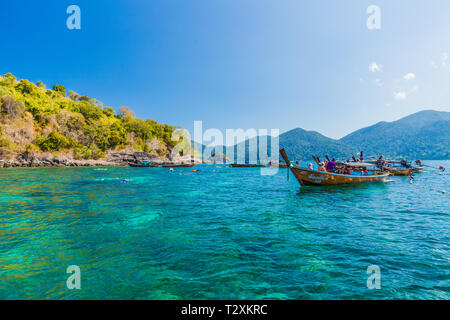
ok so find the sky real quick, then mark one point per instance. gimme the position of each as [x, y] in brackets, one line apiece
[239, 64]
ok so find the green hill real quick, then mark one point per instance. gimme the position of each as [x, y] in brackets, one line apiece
[422, 135]
[302, 144]
[38, 121]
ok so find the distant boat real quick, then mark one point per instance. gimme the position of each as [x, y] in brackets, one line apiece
[399, 171]
[277, 165]
[180, 165]
[398, 168]
[247, 165]
[142, 164]
[308, 177]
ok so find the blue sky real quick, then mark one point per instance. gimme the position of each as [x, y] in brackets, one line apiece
[239, 64]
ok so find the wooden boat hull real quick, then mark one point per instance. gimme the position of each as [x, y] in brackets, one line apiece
[238, 165]
[308, 177]
[137, 165]
[278, 166]
[183, 165]
[400, 172]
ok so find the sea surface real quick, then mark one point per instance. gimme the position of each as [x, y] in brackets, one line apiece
[220, 233]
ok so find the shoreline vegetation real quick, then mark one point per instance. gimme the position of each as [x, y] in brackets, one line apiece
[42, 127]
[112, 160]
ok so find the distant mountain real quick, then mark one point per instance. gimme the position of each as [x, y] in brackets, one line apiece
[301, 144]
[422, 135]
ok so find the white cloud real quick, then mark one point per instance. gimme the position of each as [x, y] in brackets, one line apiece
[374, 67]
[413, 89]
[409, 76]
[401, 95]
[378, 82]
[444, 57]
[442, 63]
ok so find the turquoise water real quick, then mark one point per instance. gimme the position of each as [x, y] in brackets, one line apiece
[228, 234]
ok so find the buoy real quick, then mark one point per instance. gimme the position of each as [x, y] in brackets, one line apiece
[443, 191]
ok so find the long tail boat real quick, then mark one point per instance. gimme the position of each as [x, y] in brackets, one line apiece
[277, 165]
[142, 165]
[180, 165]
[397, 168]
[150, 165]
[307, 177]
[247, 165]
[399, 171]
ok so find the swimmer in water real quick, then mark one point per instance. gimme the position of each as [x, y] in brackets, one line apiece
[411, 178]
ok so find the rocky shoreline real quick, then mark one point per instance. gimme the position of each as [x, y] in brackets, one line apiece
[111, 160]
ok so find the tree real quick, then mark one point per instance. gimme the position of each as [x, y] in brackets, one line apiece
[85, 98]
[9, 79]
[98, 103]
[108, 111]
[55, 142]
[60, 89]
[26, 87]
[126, 112]
[40, 84]
[73, 95]
[11, 107]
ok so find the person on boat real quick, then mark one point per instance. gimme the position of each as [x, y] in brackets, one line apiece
[310, 166]
[404, 163]
[380, 160]
[344, 170]
[322, 167]
[331, 165]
